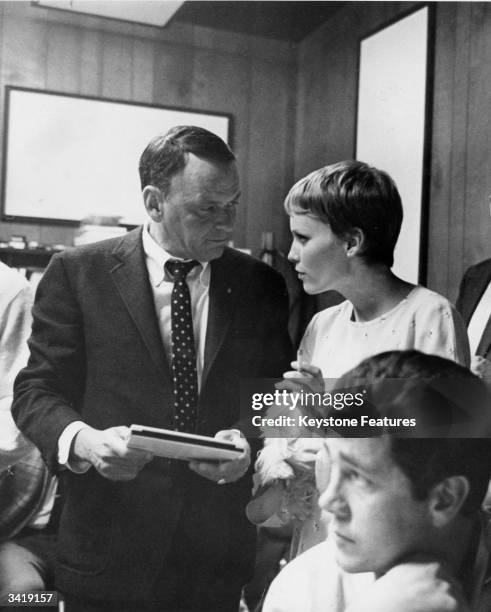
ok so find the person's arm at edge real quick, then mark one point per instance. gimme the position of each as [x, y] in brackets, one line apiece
[15, 329]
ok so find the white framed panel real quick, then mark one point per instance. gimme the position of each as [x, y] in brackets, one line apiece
[391, 129]
[69, 157]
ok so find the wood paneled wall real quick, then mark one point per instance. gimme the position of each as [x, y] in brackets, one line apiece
[287, 121]
[459, 216]
[460, 221]
[250, 77]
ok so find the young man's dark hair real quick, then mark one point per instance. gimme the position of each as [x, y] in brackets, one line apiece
[402, 508]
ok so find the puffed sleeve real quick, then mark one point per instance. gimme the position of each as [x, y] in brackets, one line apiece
[440, 330]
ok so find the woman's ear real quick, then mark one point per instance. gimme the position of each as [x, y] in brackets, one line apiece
[355, 242]
[153, 201]
[446, 499]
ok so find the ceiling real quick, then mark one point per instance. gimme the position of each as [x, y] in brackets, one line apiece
[150, 12]
[275, 19]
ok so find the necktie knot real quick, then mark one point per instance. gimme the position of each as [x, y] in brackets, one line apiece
[180, 269]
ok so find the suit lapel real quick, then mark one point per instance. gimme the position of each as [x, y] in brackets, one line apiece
[222, 298]
[484, 347]
[131, 279]
[477, 285]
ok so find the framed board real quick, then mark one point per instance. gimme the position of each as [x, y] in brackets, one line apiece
[393, 117]
[68, 157]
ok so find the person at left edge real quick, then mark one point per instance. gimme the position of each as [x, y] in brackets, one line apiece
[138, 533]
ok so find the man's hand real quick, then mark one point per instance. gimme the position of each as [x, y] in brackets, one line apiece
[414, 586]
[223, 472]
[108, 452]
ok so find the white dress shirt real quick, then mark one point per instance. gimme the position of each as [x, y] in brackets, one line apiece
[198, 281]
[199, 284]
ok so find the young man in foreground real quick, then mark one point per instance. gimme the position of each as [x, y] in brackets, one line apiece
[407, 532]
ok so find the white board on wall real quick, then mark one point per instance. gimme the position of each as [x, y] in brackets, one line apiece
[69, 157]
[391, 121]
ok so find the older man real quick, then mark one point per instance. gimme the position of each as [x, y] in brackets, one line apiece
[406, 533]
[155, 328]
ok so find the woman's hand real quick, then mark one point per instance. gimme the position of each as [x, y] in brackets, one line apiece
[307, 378]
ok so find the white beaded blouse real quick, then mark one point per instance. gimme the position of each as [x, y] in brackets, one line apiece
[423, 320]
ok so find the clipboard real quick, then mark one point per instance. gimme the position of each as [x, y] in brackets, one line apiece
[180, 445]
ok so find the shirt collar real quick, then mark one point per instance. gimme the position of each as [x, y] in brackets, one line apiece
[156, 258]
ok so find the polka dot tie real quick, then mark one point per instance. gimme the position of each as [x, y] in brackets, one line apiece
[183, 349]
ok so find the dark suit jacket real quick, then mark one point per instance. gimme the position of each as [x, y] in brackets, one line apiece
[472, 287]
[97, 355]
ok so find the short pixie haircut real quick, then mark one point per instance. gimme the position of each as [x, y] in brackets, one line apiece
[433, 388]
[167, 153]
[349, 195]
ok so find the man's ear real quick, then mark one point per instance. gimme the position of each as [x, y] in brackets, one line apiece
[355, 242]
[153, 201]
[446, 499]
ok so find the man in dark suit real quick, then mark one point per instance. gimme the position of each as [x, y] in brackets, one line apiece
[138, 532]
[474, 304]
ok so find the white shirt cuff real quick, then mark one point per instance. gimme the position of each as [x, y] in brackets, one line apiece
[64, 444]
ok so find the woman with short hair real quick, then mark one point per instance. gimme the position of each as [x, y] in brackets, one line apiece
[345, 220]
